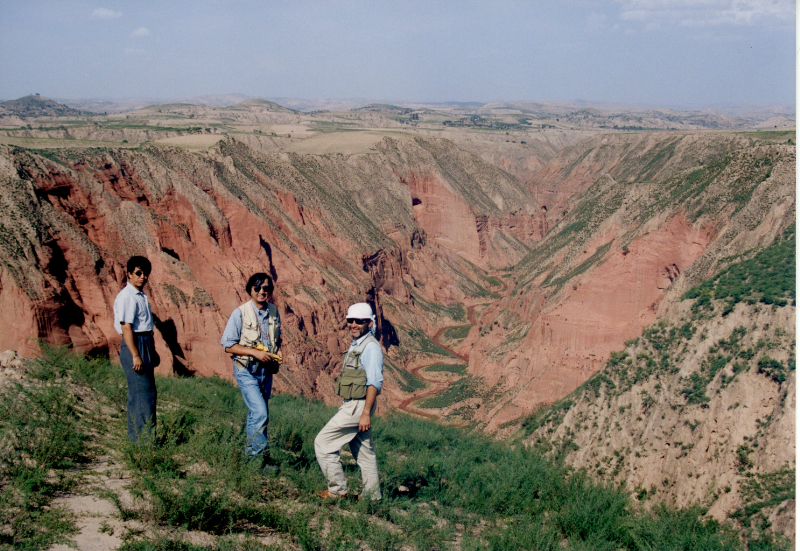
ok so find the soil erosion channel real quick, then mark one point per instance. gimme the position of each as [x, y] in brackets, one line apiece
[437, 385]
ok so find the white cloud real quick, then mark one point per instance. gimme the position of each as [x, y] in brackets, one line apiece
[141, 31]
[103, 13]
[695, 13]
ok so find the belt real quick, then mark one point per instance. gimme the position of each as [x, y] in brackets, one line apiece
[143, 333]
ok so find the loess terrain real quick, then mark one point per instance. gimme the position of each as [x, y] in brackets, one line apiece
[547, 274]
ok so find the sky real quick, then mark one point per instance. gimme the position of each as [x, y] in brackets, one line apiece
[668, 53]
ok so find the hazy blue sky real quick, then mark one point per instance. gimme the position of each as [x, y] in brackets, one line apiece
[656, 52]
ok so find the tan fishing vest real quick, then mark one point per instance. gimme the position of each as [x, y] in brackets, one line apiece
[351, 384]
[251, 331]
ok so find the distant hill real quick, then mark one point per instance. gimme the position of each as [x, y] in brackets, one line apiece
[37, 106]
[262, 103]
[385, 108]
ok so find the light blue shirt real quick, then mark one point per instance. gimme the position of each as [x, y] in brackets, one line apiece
[371, 361]
[233, 329]
[131, 307]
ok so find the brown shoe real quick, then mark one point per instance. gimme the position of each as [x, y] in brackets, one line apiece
[327, 495]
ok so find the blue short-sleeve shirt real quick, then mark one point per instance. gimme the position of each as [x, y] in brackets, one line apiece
[131, 306]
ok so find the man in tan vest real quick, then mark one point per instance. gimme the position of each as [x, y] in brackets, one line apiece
[252, 337]
[358, 384]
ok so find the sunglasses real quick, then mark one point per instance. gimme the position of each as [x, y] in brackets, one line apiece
[356, 321]
[137, 272]
[267, 288]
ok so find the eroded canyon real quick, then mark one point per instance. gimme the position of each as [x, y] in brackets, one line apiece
[532, 252]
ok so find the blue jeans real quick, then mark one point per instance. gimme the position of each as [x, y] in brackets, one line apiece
[256, 386]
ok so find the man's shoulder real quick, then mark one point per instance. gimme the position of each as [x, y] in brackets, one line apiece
[125, 292]
[372, 342]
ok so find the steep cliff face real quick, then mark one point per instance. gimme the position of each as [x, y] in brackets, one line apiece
[631, 158]
[468, 206]
[701, 408]
[616, 259]
[330, 230]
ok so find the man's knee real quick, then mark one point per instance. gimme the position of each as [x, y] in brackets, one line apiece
[319, 445]
[258, 411]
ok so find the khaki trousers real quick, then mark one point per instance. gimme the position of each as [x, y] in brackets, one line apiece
[343, 429]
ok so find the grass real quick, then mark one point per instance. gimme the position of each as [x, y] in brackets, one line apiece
[768, 277]
[459, 369]
[443, 487]
[407, 381]
[463, 389]
[42, 440]
[457, 333]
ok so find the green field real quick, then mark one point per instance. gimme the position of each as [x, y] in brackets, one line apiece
[443, 488]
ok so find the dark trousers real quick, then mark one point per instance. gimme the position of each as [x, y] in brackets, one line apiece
[141, 386]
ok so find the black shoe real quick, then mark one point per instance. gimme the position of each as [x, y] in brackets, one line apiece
[267, 465]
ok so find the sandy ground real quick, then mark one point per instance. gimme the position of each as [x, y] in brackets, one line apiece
[346, 143]
[50, 143]
[192, 141]
[97, 518]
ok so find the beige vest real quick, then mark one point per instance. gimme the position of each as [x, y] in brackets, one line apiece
[251, 331]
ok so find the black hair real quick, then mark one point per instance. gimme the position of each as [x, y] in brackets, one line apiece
[139, 262]
[259, 279]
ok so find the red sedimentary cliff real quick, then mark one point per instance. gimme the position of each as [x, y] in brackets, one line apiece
[571, 339]
[627, 241]
[330, 231]
[408, 226]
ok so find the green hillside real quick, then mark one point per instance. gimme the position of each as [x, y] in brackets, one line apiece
[443, 488]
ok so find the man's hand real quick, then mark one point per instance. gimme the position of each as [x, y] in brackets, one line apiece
[260, 355]
[364, 422]
[137, 363]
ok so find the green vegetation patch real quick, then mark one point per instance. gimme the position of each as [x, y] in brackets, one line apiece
[457, 333]
[456, 311]
[43, 440]
[407, 381]
[463, 389]
[459, 369]
[579, 269]
[762, 491]
[422, 342]
[768, 277]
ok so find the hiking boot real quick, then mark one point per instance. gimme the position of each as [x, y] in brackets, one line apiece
[264, 463]
[325, 494]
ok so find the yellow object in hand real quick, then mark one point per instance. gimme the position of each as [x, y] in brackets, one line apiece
[259, 346]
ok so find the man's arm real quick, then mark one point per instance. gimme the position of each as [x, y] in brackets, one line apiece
[260, 355]
[365, 421]
[130, 342]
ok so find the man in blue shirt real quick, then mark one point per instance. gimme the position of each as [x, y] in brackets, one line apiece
[134, 321]
[358, 384]
[252, 337]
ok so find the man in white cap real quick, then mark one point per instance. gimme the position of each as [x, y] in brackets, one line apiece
[359, 385]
